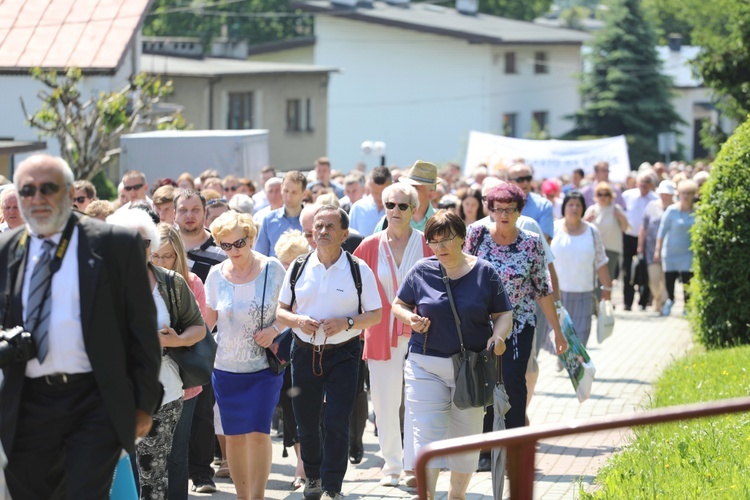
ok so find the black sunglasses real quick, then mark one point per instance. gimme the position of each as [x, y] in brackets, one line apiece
[401, 206]
[231, 188]
[215, 200]
[47, 188]
[237, 244]
[523, 178]
[80, 199]
[135, 187]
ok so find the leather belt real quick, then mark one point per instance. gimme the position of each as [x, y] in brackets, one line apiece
[322, 347]
[61, 379]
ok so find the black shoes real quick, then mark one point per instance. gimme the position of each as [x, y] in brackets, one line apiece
[355, 456]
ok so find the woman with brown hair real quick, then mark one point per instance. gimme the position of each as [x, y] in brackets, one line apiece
[422, 304]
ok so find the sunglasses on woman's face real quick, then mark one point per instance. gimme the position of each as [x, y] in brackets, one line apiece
[604, 195]
[237, 244]
[401, 206]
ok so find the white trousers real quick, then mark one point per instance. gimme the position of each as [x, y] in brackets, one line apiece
[430, 385]
[386, 389]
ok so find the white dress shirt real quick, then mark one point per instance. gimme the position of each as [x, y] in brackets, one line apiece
[67, 352]
[635, 206]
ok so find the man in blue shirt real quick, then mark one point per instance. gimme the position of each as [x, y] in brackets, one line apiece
[367, 212]
[323, 177]
[537, 207]
[287, 217]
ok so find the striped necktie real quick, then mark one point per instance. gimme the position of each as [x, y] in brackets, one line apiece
[38, 304]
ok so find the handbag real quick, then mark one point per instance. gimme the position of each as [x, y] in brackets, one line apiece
[196, 362]
[605, 321]
[475, 372]
[278, 353]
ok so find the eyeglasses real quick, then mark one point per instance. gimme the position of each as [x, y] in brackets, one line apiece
[156, 256]
[604, 194]
[146, 243]
[237, 244]
[47, 188]
[442, 243]
[135, 187]
[403, 207]
[230, 188]
[215, 200]
[523, 178]
[507, 211]
[80, 199]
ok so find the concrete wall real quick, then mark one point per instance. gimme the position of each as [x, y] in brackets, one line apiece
[287, 150]
[299, 55]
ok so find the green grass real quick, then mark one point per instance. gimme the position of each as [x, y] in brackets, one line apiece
[703, 458]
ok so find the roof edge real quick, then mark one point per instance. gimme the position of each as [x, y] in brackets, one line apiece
[269, 47]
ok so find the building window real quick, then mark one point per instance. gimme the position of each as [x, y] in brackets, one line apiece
[240, 111]
[509, 124]
[539, 121]
[510, 63]
[293, 115]
[540, 63]
[309, 125]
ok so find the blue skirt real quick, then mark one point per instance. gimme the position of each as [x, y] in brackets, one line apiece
[246, 400]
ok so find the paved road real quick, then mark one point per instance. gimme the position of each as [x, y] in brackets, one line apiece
[627, 363]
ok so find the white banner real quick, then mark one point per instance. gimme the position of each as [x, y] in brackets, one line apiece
[551, 158]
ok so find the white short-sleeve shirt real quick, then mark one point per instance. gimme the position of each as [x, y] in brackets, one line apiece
[330, 293]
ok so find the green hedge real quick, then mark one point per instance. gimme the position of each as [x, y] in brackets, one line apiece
[718, 310]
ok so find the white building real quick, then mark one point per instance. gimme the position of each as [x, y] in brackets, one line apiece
[420, 77]
[692, 100]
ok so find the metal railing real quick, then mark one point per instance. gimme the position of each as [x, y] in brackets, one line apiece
[521, 442]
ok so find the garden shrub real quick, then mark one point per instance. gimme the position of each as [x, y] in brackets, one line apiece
[718, 310]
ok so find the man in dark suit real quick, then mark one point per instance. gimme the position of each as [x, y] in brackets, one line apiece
[93, 386]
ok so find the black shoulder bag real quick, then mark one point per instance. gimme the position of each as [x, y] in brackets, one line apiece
[196, 362]
[476, 372]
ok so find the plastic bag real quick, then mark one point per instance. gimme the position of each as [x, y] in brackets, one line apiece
[575, 359]
[605, 321]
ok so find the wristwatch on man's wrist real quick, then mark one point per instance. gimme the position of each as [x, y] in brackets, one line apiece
[350, 322]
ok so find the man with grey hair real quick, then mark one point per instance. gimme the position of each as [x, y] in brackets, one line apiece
[636, 200]
[274, 199]
[92, 386]
[11, 213]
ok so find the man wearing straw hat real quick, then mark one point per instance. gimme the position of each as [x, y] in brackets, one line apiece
[423, 176]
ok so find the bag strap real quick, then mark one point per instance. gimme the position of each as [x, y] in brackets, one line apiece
[171, 295]
[480, 239]
[297, 268]
[446, 280]
[263, 297]
[357, 276]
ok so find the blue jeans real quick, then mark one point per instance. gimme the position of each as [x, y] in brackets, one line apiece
[515, 360]
[177, 464]
[325, 456]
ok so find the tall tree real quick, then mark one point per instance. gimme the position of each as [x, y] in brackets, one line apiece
[89, 130]
[623, 90]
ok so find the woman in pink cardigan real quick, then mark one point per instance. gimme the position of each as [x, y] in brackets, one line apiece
[391, 254]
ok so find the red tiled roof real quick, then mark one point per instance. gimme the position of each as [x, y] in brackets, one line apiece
[91, 34]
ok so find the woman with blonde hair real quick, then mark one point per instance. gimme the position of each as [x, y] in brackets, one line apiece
[241, 296]
[609, 218]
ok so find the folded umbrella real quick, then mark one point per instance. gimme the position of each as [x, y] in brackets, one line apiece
[501, 406]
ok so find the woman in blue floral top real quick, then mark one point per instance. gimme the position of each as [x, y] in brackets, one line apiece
[518, 257]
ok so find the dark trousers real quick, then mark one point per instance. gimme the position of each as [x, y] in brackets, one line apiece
[359, 415]
[177, 465]
[630, 250]
[325, 456]
[670, 278]
[65, 445]
[515, 360]
[202, 436]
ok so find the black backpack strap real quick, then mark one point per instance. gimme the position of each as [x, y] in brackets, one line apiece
[297, 268]
[357, 276]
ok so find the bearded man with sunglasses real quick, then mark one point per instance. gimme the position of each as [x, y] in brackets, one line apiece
[80, 287]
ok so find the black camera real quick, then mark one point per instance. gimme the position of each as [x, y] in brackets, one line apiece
[16, 346]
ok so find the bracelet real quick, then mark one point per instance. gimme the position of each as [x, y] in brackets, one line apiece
[607, 288]
[273, 325]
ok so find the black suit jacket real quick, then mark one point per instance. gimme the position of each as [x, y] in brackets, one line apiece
[118, 318]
